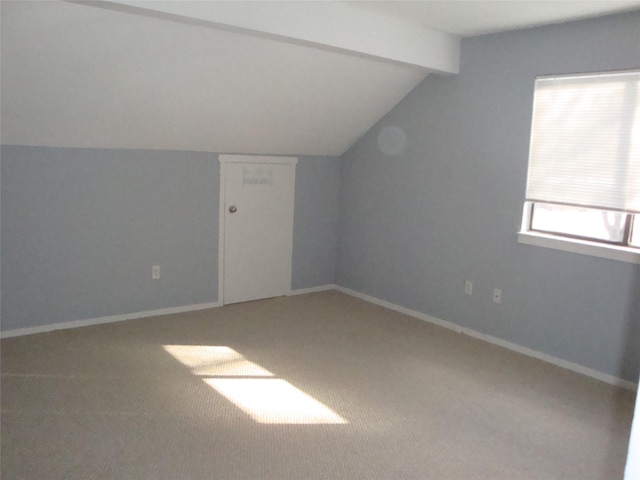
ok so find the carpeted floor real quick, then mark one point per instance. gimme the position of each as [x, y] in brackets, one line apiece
[307, 387]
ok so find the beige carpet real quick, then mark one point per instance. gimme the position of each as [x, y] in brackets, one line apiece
[307, 387]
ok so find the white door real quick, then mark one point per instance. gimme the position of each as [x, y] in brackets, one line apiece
[256, 228]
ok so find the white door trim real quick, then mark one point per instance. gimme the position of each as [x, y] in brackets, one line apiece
[224, 160]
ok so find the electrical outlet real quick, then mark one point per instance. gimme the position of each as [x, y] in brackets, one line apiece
[497, 295]
[155, 272]
[468, 287]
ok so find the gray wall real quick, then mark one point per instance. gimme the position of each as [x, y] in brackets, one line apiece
[81, 229]
[415, 225]
[315, 226]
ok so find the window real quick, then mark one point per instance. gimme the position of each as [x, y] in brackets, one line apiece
[583, 184]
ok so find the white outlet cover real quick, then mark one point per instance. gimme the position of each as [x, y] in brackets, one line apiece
[497, 295]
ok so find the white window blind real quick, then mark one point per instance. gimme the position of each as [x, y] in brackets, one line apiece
[585, 141]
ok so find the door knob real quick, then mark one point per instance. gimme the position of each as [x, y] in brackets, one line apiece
[233, 209]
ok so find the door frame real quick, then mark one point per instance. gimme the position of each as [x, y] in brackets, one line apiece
[224, 161]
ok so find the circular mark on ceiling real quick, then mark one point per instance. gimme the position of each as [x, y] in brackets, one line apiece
[392, 140]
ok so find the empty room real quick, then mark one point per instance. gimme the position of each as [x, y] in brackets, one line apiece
[320, 240]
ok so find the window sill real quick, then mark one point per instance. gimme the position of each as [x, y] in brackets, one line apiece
[584, 247]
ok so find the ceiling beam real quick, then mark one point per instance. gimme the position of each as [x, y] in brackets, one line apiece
[322, 24]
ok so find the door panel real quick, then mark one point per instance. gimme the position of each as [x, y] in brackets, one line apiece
[258, 230]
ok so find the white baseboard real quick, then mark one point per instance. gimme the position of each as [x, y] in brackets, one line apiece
[605, 377]
[130, 316]
[321, 288]
[100, 320]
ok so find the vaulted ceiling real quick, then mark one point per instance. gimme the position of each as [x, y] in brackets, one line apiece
[235, 77]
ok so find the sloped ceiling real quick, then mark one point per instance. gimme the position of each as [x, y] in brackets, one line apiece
[79, 76]
[207, 76]
[477, 17]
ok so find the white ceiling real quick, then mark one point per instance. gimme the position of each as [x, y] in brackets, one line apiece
[267, 77]
[477, 17]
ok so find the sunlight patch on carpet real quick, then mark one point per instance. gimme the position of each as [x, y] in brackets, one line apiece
[273, 400]
[215, 361]
[252, 388]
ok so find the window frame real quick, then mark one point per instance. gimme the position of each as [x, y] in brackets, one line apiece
[582, 246]
[622, 250]
[626, 234]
